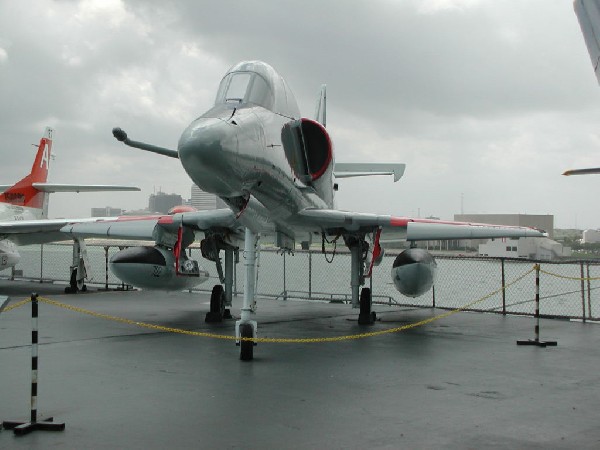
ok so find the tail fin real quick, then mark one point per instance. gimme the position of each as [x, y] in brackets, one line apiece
[23, 193]
[321, 109]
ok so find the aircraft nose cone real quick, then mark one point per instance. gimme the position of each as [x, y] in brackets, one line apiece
[202, 139]
[207, 151]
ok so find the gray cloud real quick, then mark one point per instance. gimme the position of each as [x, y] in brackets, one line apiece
[488, 99]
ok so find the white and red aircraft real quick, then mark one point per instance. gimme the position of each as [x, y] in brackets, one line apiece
[24, 207]
[276, 172]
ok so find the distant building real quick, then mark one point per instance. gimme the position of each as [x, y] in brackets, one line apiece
[162, 203]
[107, 211]
[204, 201]
[532, 248]
[590, 237]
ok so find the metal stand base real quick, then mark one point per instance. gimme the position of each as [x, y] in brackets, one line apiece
[538, 343]
[21, 428]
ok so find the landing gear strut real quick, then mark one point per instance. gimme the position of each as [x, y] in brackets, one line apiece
[245, 327]
[358, 252]
[221, 298]
[78, 271]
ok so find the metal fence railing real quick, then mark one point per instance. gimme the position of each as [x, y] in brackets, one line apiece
[568, 289]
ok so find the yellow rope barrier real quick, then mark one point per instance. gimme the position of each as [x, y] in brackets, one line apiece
[569, 278]
[16, 305]
[271, 340]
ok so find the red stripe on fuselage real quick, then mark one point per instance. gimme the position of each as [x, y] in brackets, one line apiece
[399, 221]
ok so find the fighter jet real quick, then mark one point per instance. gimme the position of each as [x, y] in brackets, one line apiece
[277, 173]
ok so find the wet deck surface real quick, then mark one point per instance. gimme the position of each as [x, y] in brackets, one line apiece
[461, 382]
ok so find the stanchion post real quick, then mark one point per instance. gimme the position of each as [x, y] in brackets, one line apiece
[21, 428]
[41, 263]
[503, 289]
[589, 292]
[537, 341]
[106, 248]
[582, 292]
[309, 273]
[285, 296]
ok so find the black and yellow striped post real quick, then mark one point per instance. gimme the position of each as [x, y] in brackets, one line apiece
[537, 341]
[21, 428]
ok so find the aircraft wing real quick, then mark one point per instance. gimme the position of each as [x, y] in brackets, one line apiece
[313, 220]
[61, 187]
[146, 227]
[42, 231]
[25, 232]
[404, 228]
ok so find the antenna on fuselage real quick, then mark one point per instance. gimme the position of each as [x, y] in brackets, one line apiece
[321, 109]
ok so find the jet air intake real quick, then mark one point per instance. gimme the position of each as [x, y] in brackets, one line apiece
[307, 148]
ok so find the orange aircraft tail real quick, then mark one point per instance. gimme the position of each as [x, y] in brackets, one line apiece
[23, 193]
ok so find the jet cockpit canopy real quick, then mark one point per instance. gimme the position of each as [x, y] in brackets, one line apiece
[257, 83]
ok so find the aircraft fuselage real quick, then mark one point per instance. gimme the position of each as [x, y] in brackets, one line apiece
[254, 155]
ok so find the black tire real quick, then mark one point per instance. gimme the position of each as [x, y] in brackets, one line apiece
[217, 305]
[365, 302]
[73, 281]
[365, 317]
[246, 347]
[217, 300]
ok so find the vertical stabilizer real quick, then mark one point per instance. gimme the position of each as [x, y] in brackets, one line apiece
[321, 109]
[23, 193]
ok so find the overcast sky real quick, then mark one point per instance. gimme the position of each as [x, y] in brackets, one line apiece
[486, 101]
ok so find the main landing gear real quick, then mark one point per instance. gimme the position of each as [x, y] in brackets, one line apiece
[221, 299]
[78, 269]
[359, 251]
[366, 316]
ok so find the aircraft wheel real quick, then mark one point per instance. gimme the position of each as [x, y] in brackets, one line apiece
[217, 305]
[246, 347]
[72, 283]
[365, 317]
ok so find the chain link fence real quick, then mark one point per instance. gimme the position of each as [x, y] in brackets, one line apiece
[568, 289]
